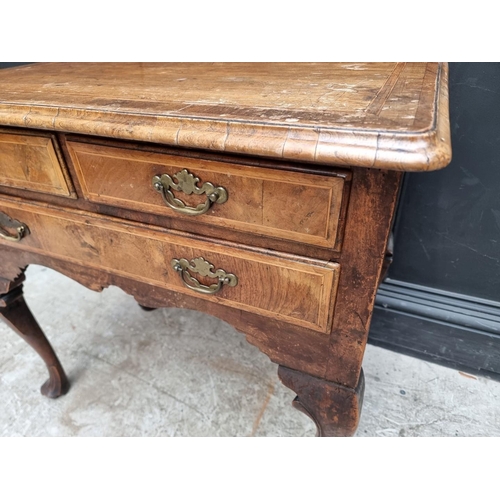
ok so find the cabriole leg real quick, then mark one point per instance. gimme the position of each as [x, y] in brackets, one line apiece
[15, 312]
[335, 409]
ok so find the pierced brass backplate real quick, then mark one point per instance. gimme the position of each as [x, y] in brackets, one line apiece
[203, 268]
[9, 226]
[187, 183]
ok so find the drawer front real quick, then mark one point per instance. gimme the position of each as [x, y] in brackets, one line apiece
[300, 292]
[30, 162]
[287, 205]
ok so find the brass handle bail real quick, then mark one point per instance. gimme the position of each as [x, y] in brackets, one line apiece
[203, 268]
[187, 183]
[20, 229]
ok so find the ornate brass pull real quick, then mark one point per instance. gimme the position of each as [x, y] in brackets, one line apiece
[20, 228]
[203, 268]
[187, 183]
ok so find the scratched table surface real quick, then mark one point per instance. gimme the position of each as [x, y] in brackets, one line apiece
[385, 115]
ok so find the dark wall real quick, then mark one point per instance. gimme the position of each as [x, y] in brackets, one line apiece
[448, 227]
[11, 64]
[442, 299]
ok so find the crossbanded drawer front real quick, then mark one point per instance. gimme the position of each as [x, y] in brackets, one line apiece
[301, 292]
[30, 162]
[287, 205]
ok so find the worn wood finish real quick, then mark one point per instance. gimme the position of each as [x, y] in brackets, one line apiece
[286, 205]
[369, 220]
[190, 225]
[335, 409]
[286, 344]
[300, 292]
[31, 162]
[15, 312]
[305, 152]
[227, 236]
[377, 115]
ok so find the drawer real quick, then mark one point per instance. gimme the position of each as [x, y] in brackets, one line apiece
[288, 205]
[298, 291]
[31, 162]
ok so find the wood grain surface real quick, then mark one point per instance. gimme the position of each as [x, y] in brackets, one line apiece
[335, 409]
[382, 115]
[30, 162]
[300, 292]
[305, 152]
[286, 205]
[371, 209]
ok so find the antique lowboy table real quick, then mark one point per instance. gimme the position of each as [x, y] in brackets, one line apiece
[262, 194]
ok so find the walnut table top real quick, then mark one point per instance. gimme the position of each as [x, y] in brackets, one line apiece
[262, 194]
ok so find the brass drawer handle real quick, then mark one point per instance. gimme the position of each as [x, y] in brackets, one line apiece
[187, 183]
[203, 268]
[20, 228]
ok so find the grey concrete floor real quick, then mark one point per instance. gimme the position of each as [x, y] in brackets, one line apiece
[173, 372]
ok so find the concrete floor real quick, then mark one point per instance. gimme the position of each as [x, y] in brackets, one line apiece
[181, 373]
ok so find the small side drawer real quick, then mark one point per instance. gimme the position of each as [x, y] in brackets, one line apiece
[287, 205]
[31, 162]
[298, 291]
